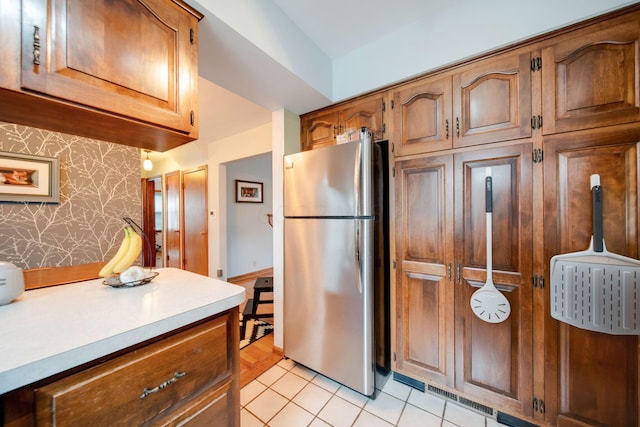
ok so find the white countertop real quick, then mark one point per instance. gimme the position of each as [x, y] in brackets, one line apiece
[50, 330]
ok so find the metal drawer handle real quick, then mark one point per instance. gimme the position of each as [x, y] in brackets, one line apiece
[147, 391]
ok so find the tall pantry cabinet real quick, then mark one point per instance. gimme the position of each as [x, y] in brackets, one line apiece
[441, 234]
[544, 115]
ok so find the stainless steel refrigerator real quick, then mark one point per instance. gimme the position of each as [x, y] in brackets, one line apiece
[335, 261]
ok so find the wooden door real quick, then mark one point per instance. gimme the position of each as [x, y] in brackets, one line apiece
[128, 57]
[492, 100]
[590, 77]
[365, 113]
[591, 377]
[196, 242]
[172, 220]
[422, 116]
[424, 254]
[319, 130]
[494, 361]
[148, 223]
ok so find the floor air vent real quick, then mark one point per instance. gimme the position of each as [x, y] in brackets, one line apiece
[477, 406]
[443, 393]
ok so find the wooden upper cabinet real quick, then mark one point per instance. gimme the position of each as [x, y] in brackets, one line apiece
[487, 101]
[135, 58]
[590, 77]
[492, 100]
[321, 128]
[422, 116]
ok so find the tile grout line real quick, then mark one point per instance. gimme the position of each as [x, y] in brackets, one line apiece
[333, 395]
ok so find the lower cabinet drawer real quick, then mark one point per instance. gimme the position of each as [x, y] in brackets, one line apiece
[146, 384]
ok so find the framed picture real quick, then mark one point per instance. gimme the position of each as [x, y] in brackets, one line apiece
[29, 178]
[248, 192]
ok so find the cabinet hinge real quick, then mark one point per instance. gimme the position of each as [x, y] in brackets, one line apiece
[392, 104]
[384, 127]
[536, 63]
[192, 36]
[393, 147]
[394, 264]
[538, 405]
[384, 106]
[536, 122]
[394, 356]
[538, 155]
[192, 117]
[393, 171]
[537, 281]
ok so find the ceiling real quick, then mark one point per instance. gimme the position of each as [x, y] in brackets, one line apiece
[228, 111]
[258, 56]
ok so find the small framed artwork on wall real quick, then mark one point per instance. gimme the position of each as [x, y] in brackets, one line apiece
[248, 192]
[29, 178]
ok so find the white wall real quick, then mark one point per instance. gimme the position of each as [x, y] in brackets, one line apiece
[461, 29]
[247, 144]
[286, 140]
[249, 235]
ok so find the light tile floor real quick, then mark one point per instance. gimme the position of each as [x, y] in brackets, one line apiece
[290, 395]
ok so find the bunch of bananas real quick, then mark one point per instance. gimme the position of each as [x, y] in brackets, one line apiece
[125, 256]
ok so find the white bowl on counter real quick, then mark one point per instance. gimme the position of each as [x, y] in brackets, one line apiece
[11, 282]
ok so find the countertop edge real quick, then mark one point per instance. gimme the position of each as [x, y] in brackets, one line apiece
[37, 370]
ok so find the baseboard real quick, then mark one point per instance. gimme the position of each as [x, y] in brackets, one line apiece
[278, 351]
[253, 275]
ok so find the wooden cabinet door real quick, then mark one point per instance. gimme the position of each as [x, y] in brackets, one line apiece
[494, 361]
[590, 77]
[135, 58]
[319, 130]
[492, 100]
[195, 224]
[172, 220]
[591, 377]
[422, 116]
[365, 113]
[424, 253]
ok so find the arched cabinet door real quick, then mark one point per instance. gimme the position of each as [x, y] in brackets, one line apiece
[591, 377]
[589, 77]
[132, 58]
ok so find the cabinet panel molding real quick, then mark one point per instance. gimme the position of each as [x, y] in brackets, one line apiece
[592, 378]
[589, 78]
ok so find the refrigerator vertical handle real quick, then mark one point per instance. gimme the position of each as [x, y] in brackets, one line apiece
[357, 255]
[357, 179]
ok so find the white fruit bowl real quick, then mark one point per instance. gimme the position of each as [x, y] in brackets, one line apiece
[114, 281]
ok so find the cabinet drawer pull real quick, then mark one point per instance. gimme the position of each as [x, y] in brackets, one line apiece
[147, 391]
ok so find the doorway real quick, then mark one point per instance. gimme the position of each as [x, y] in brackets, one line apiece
[152, 222]
[175, 220]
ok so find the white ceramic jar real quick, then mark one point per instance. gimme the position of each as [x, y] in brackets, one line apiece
[11, 282]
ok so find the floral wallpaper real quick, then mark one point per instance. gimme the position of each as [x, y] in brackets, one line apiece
[99, 184]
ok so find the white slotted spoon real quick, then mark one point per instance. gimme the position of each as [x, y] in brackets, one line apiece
[488, 303]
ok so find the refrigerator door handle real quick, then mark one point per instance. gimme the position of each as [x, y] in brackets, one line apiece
[357, 255]
[357, 179]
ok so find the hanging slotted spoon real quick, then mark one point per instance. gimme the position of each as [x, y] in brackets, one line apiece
[488, 303]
